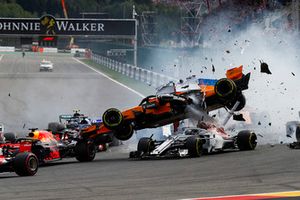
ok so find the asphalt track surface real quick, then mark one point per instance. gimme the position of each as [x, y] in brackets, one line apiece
[36, 98]
[30, 98]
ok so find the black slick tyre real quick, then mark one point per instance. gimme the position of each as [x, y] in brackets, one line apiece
[241, 99]
[194, 146]
[125, 132]
[246, 140]
[10, 137]
[145, 145]
[298, 133]
[85, 151]
[225, 89]
[56, 127]
[26, 164]
[112, 118]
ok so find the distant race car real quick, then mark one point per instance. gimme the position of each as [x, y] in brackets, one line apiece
[170, 104]
[46, 65]
[75, 121]
[193, 142]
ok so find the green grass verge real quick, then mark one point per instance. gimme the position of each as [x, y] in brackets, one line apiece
[139, 86]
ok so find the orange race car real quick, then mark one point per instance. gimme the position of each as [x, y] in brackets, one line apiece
[170, 104]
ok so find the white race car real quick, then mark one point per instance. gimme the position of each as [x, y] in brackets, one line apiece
[193, 142]
[46, 65]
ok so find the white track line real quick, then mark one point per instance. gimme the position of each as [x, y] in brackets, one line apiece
[113, 80]
[1, 57]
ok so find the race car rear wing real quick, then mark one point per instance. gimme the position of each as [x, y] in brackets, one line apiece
[236, 74]
[65, 117]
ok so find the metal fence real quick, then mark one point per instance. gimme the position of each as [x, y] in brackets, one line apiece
[149, 77]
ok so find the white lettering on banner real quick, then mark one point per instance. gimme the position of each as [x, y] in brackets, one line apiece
[78, 28]
[71, 28]
[24, 26]
[37, 26]
[61, 25]
[6, 26]
[66, 26]
[93, 27]
[85, 28]
[100, 27]
[20, 26]
[16, 26]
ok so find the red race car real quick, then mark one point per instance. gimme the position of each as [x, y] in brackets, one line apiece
[170, 105]
[16, 156]
[23, 155]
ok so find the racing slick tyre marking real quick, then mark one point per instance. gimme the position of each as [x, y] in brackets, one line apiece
[194, 146]
[246, 140]
[198, 146]
[25, 164]
[225, 88]
[252, 141]
[112, 118]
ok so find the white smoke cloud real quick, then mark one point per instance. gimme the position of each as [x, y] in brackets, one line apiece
[273, 99]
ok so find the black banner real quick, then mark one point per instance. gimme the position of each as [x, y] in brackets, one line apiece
[48, 25]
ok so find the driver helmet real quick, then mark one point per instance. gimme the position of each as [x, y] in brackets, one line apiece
[84, 121]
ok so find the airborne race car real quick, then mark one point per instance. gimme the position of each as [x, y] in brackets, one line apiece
[23, 155]
[169, 107]
[193, 142]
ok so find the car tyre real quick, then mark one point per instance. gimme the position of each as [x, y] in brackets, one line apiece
[85, 151]
[112, 118]
[25, 164]
[225, 89]
[10, 137]
[297, 132]
[241, 99]
[56, 127]
[124, 133]
[246, 140]
[194, 146]
[145, 145]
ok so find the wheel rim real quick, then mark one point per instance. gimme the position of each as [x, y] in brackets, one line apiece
[113, 118]
[225, 88]
[252, 141]
[32, 164]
